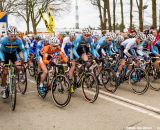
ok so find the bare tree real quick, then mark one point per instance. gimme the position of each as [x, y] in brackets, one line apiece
[131, 16]
[102, 12]
[37, 5]
[154, 13]
[114, 15]
[122, 17]
[140, 11]
[107, 5]
[8, 5]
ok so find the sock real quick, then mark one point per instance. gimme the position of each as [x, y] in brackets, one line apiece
[117, 74]
[41, 85]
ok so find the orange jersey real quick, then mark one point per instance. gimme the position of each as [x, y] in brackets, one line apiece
[49, 50]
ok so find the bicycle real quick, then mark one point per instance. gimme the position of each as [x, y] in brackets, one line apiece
[153, 75]
[57, 83]
[85, 78]
[11, 84]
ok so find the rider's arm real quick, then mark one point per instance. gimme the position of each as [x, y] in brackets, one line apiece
[128, 47]
[65, 40]
[23, 54]
[154, 50]
[109, 51]
[74, 49]
[45, 54]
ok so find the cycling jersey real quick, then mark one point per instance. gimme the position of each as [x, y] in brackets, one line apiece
[49, 50]
[10, 49]
[66, 46]
[129, 45]
[33, 46]
[38, 48]
[102, 45]
[80, 46]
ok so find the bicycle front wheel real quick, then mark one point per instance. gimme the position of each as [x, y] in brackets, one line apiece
[22, 81]
[139, 81]
[13, 94]
[60, 90]
[154, 80]
[90, 87]
[109, 82]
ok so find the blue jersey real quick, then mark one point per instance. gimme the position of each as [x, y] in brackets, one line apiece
[156, 49]
[7, 46]
[38, 48]
[80, 42]
[101, 44]
[11, 47]
[33, 46]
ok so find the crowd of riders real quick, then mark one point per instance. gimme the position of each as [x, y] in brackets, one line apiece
[73, 46]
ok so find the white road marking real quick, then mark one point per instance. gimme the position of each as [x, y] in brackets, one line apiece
[131, 102]
[133, 107]
[128, 105]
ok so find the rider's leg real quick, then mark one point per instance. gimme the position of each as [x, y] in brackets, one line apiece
[44, 72]
[122, 64]
[71, 71]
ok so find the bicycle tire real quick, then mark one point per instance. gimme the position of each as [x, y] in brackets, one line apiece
[31, 70]
[111, 85]
[13, 94]
[22, 83]
[153, 79]
[57, 85]
[139, 73]
[87, 76]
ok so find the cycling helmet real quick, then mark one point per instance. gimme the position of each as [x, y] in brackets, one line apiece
[54, 41]
[37, 37]
[109, 35]
[141, 36]
[12, 30]
[26, 38]
[114, 36]
[86, 31]
[120, 38]
[150, 37]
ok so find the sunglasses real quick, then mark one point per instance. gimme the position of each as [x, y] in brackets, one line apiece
[109, 40]
[87, 35]
[13, 36]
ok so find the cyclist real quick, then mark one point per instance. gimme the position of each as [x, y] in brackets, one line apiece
[155, 47]
[48, 51]
[104, 45]
[10, 46]
[32, 49]
[67, 44]
[80, 49]
[128, 51]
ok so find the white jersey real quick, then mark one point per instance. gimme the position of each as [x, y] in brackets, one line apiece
[66, 41]
[128, 45]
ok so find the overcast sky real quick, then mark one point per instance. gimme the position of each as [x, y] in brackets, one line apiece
[88, 15]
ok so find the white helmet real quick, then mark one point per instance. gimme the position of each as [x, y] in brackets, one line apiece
[150, 37]
[141, 36]
[120, 38]
[12, 30]
[86, 31]
[109, 35]
[54, 41]
[26, 39]
[114, 36]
